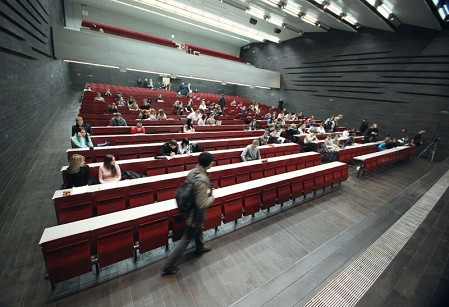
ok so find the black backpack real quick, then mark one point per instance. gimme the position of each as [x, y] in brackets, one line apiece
[328, 126]
[185, 195]
[195, 147]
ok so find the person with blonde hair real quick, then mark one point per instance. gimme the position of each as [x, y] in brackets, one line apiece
[78, 173]
[161, 115]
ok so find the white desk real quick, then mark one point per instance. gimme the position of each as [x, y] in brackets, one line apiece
[97, 222]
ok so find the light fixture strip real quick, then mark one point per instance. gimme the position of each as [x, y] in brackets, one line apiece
[273, 3]
[309, 19]
[291, 10]
[209, 19]
[334, 9]
[350, 19]
[92, 64]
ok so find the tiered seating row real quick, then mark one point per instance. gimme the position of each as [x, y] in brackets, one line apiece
[148, 123]
[95, 26]
[347, 154]
[128, 139]
[107, 198]
[125, 152]
[100, 130]
[381, 159]
[196, 50]
[69, 249]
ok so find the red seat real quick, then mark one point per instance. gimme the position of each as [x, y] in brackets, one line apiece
[175, 165]
[68, 257]
[127, 153]
[257, 171]
[114, 243]
[152, 231]
[283, 192]
[319, 181]
[232, 209]
[110, 200]
[213, 216]
[166, 190]
[309, 184]
[156, 167]
[251, 203]
[243, 174]
[297, 188]
[268, 197]
[140, 195]
[74, 207]
[227, 178]
[177, 224]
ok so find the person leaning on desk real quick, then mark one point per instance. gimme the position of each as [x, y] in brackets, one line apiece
[169, 148]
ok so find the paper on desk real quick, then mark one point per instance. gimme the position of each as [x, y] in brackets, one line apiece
[79, 190]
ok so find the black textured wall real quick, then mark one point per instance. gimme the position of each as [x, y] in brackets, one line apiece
[33, 84]
[398, 80]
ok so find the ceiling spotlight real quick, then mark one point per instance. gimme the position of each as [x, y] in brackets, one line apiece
[277, 30]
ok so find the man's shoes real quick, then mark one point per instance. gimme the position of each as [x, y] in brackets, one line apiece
[207, 248]
[169, 271]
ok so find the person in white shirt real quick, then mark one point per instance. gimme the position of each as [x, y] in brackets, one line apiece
[184, 147]
[202, 120]
[195, 115]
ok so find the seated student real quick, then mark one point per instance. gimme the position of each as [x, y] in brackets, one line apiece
[161, 115]
[253, 125]
[233, 103]
[273, 138]
[393, 143]
[121, 102]
[119, 94]
[309, 121]
[263, 140]
[345, 133]
[152, 115]
[108, 92]
[81, 139]
[133, 106]
[131, 100]
[335, 140]
[372, 134]
[330, 145]
[159, 98]
[202, 120]
[109, 171]
[169, 148]
[382, 146]
[143, 114]
[88, 88]
[350, 140]
[202, 106]
[310, 137]
[188, 127]
[99, 98]
[251, 152]
[138, 129]
[211, 119]
[320, 129]
[80, 123]
[403, 141]
[112, 109]
[291, 131]
[78, 173]
[145, 105]
[117, 120]
[179, 95]
[184, 147]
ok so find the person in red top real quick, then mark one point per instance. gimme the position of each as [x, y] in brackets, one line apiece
[138, 129]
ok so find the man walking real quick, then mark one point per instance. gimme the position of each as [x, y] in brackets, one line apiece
[195, 218]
